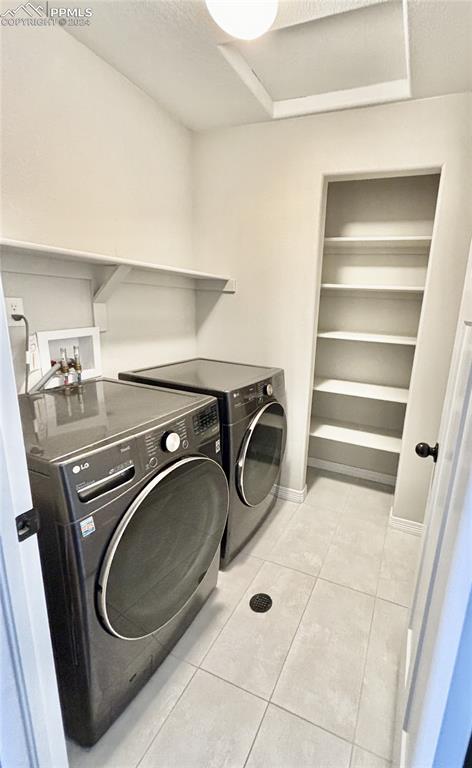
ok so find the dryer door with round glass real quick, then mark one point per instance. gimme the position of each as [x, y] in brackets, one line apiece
[163, 547]
[261, 454]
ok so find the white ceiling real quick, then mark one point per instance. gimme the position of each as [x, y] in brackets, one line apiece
[362, 47]
[169, 48]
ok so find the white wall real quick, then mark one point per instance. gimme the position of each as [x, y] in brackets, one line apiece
[146, 324]
[258, 216]
[90, 162]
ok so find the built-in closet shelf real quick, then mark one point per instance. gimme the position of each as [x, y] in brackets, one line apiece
[398, 243]
[361, 389]
[372, 338]
[362, 436]
[411, 289]
[117, 271]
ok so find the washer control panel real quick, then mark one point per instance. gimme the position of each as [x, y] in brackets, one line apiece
[185, 434]
[89, 478]
[205, 420]
[96, 478]
[171, 442]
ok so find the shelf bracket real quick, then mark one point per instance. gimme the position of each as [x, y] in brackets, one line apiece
[106, 290]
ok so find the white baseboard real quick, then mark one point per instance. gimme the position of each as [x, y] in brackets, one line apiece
[289, 494]
[408, 526]
[346, 469]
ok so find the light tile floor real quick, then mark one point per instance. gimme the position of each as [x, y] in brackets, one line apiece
[309, 684]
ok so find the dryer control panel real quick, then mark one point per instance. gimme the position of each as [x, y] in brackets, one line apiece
[244, 402]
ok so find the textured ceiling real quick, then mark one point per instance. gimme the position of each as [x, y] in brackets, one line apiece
[169, 49]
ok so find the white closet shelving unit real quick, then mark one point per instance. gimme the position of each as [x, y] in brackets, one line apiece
[371, 294]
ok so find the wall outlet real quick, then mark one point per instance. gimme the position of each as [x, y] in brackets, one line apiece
[14, 307]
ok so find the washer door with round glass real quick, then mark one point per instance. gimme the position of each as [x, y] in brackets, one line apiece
[261, 454]
[163, 547]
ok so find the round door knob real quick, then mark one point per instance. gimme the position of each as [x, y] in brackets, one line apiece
[171, 441]
[269, 390]
[424, 450]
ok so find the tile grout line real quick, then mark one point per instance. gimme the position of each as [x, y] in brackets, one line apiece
[167, 716]
[281, 669]
[277, 706]
[315, 725]
[374, 754]
[198, 667]
[361, 689]
[345, 508]
[298, 570]
[283, 530]
[351, 755]
[256, 735]
[336, 583]
[316, 579]
[230, 682]
[293, 639]
[368, 647]
[381, 562]
[233, 611]
[235, 685]
[268, 703]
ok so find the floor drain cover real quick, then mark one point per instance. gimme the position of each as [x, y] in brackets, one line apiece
[260, 603]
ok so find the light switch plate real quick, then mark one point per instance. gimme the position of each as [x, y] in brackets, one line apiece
[14, 307]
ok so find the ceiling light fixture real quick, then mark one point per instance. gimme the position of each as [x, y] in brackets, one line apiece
[245, 19]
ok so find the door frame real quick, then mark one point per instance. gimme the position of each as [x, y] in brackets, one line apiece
[430, 692]
[27, 656]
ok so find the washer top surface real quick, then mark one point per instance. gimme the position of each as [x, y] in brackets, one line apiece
[208, 375]
[58, 422]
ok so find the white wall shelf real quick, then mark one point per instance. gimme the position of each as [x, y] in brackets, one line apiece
[362, 436]
[371, 338]
[117, 270]
[348, 287]
[361, 389]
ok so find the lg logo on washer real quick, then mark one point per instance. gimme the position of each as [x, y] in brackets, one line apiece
[79, 467]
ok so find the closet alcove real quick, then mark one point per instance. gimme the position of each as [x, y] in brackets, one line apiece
[374, 275]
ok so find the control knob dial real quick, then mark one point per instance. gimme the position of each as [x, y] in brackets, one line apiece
[269, 390]
[171, 442]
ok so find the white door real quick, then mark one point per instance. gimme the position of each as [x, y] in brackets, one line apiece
[31, 726]
[444, 582]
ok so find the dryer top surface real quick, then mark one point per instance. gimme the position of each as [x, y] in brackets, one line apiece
[60, 421]
[215, 376]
